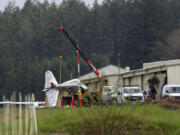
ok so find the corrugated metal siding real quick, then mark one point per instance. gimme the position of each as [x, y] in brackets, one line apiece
[145, 80]
[136, 81]
[113, 80]
[126, 82]
[173, 74]
[120, 82]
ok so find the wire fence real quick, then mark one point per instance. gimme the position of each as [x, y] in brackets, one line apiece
[19, 117]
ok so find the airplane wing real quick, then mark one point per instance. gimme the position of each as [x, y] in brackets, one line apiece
[51, 83]
[74, 83]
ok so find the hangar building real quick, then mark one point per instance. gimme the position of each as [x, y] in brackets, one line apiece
[110, 73]
[167, 72]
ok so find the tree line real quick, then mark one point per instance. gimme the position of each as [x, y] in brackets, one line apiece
[127, 31]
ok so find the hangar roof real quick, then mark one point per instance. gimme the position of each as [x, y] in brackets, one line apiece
[160, 63]
[152, 67]
[105, 71]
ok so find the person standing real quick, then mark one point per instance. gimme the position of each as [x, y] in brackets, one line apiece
[109, 97]
[80, 97]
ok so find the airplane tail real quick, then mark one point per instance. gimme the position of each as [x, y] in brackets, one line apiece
[51, 92]
[49, 79]
[52, 97]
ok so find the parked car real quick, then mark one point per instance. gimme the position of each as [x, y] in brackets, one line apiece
[130, 95]
[171, 91]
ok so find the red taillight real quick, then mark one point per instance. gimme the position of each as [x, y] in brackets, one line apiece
[61, 28]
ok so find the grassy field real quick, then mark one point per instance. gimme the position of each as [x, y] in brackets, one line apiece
[144, 119]
[117, 120]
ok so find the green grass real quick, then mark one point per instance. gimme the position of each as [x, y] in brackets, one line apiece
[126, 119]
[119, 120]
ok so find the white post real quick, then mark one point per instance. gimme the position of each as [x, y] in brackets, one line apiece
[4, 109]
[12, 116]
[20, 115]
[6, 116]
[31, 117]
[15, 120]
[34, 115]
[26, 114]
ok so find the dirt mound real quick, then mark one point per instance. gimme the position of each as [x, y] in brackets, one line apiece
[167, 102]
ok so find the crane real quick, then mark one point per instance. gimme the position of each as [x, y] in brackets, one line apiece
[99, 76]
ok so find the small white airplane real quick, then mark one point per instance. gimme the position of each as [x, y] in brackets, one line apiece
[52, 87]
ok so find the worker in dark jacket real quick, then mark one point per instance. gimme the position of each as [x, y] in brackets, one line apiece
[109, 97]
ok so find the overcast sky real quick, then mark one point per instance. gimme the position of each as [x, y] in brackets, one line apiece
[20, 3]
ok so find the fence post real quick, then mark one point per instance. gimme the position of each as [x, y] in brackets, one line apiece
[20, 114]
[34, 115]
[12, 116]
[15, 120]
[6, 113]
[26, 115]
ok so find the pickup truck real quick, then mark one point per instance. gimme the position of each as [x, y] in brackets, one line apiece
[130, 95]
[171, 91]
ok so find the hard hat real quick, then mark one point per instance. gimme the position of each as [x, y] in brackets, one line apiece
[109, 84]
[79, 91]
[67, 106]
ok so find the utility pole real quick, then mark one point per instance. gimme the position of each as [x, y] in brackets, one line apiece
[60, 62]
[78, 64]
[118, 60]
[60, 93]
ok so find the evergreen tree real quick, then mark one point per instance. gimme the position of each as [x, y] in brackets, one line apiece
[30, 40]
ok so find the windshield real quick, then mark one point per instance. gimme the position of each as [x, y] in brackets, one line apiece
[174, 89]
[132, 90]
[113, 89]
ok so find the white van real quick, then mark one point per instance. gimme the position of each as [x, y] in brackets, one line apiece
[171, 91]
[130, 95]
[113, 90]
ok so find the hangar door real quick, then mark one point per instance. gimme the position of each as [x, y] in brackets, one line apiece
[173, 74]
